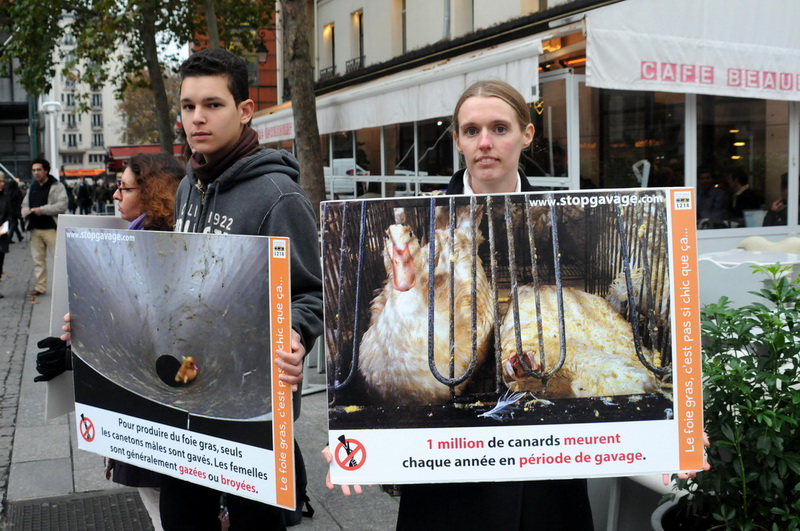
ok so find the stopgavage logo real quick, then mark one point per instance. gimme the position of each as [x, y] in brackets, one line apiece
[683, 200]
[279, 249]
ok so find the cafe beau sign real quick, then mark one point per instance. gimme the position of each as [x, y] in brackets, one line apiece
[705, 47]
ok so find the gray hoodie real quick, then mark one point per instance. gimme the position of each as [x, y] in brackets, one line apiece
[257, 195]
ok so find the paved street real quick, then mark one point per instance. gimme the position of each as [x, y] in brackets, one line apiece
[47, 483]
[15, 319]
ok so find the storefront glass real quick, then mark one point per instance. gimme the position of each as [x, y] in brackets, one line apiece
[629, 137]
[399, 146]
[435, 152]
[743, 145]
[548, 154]
[368, 150]
[342, 145]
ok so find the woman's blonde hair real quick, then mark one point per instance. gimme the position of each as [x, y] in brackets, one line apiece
[495, 89]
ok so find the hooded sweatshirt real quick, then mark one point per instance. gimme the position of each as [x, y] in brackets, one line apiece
[257, 195]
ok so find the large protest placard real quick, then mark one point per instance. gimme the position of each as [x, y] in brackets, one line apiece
[510, 337]
[174, 338]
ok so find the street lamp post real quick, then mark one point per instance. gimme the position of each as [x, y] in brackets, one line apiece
[51, 109]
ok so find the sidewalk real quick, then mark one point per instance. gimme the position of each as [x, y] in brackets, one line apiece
[51, 484]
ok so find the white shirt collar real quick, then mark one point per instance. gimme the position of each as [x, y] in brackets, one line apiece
[469, 191]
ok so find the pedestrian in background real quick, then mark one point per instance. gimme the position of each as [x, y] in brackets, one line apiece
[72, 205]
[15, 196]
[5, 223]
[84, 195]
[102, 196]
[46, 199]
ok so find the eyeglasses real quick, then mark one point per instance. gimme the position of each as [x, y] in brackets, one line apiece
[123, 188]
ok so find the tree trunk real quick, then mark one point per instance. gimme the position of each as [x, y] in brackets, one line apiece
[147, 33]
[211, 23]
[297, 31]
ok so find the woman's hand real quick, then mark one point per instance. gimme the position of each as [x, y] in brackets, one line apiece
[66, 328]
[326, 453]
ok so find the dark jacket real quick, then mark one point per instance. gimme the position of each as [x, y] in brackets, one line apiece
[456, 184]
[51, 197]
[6, 214]
[258, 196]
[15, 197]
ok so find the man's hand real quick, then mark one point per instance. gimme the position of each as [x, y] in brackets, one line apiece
[326, 453]
[692, 473]
[56, 359]
[291, 363]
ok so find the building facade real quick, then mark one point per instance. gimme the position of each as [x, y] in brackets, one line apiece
[15, 105]
[86, 122]
[389, 72]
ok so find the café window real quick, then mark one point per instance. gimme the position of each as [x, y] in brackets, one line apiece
[435, 156]
[547, 156]
[631, 139]
[742, 147]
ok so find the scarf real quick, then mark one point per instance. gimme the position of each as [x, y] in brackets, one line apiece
[207, 172]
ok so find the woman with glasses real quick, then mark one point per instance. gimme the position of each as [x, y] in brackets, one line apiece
[146, 191]
[146, 199]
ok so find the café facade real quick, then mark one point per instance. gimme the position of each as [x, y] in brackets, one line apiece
[633, 93]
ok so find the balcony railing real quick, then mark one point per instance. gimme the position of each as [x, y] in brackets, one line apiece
[354, 64]
[327, 73]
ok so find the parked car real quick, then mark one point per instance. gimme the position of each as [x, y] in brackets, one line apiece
[340, 186]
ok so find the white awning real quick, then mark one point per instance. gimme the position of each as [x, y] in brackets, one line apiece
[737, 48]
[426, 92]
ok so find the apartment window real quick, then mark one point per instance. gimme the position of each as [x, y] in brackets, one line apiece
[329, 53]
[72, 140]
[97, 140]
[97, 101]
[404, 27]
[97, 159]
[70, 121]
[357, 44]
[97, 120]
[72, 159]
[68, 99]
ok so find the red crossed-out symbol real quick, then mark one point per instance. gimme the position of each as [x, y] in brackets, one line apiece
[86, 428]
[354, 454]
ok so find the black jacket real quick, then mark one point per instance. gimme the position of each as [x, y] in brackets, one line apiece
[456, 184]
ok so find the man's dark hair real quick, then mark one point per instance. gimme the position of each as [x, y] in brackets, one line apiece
[219, 62]
[740, 175]
[43, 162]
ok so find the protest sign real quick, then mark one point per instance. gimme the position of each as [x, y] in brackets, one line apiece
[511, 337]
[174, 338]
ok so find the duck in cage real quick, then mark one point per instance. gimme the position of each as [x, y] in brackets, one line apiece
[467, 310]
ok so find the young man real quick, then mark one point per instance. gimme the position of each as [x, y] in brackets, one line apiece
[46, 199]
[233, 186]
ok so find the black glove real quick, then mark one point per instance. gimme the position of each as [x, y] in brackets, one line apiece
[53, 361]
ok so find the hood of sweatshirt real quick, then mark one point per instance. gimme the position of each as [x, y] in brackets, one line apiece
[240, 197]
